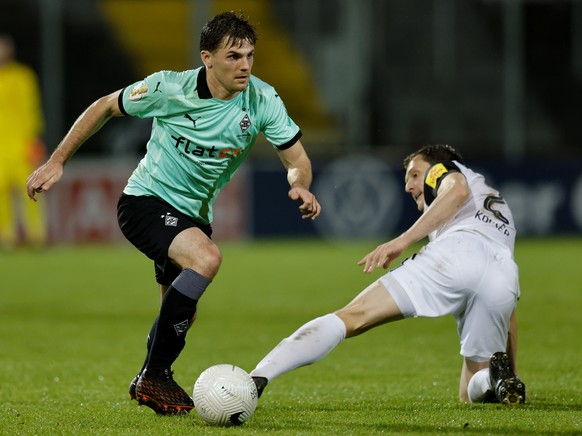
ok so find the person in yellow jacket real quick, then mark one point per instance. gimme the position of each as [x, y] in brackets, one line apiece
[21, 149]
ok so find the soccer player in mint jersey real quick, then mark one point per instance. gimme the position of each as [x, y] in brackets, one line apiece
[205, 122]
[466, 270]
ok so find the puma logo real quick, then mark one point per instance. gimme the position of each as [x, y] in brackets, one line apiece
[192, 119]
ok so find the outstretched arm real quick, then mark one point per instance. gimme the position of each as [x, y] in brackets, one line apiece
[452, 194]
[299, 176]
[88, 123]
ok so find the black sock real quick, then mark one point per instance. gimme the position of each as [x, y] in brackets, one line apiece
[149, 343]
[172, 325]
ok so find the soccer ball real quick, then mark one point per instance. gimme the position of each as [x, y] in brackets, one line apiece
[225, 395]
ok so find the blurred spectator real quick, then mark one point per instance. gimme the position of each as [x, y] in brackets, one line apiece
[21, 149]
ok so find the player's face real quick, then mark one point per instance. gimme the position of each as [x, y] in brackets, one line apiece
[229, 69]
[414, 180]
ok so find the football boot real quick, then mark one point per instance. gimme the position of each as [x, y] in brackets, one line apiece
[261, 383]
[132, 386]
[508, 387]
[159, 392]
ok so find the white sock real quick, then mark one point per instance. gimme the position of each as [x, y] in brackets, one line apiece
[479, 386]
[310, 343]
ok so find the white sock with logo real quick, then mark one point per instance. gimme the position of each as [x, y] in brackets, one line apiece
[310, 343]
[479, 386]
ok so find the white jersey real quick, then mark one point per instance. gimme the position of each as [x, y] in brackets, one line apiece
[466, 270]
[485, 212]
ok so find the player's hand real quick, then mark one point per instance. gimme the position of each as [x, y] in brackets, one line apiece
[310, 207]
[383, 255]
[43, 178]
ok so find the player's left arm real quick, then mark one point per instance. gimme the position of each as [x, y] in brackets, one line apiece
[452, 193]
[299, 176]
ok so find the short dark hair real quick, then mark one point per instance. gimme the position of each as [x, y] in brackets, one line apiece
[434, 153]
[235, 28]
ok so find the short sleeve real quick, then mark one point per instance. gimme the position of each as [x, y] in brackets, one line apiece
[279, 129]
[147, 98]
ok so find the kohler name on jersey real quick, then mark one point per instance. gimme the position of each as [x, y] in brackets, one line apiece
[501, 227]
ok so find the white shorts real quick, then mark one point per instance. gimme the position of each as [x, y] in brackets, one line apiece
[468, 277]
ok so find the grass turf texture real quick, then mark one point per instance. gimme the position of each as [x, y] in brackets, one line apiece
[74, 322]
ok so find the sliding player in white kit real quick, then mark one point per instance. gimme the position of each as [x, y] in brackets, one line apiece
[466, 270]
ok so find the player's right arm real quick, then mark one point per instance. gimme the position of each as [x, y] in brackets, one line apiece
[453, 192]
[88, 123]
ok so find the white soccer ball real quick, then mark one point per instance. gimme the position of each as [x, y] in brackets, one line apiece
[225, 395]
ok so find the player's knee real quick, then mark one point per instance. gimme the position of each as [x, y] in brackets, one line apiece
[354, 320]
[205, 261]
[212, 259]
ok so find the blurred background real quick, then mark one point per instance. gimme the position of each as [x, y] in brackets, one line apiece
[368, 82]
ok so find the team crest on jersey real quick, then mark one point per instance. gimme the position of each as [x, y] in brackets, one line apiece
[138, 92]
[434, 174]
[245, 123]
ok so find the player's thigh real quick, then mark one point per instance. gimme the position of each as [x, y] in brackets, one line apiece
[191, 248]
[484, 326]
[430, 282]
[152, 226]
[372, 307]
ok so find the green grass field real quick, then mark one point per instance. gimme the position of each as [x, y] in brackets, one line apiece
[74, 323]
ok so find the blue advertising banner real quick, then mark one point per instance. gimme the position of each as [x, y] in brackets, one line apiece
[362, 197]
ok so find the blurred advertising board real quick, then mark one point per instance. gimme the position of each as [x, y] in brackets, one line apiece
[362, 198]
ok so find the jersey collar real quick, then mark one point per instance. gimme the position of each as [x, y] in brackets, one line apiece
[202, 86]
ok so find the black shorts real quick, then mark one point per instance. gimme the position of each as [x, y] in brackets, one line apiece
[151, 225]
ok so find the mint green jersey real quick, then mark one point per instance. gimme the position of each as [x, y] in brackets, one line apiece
[198, 142]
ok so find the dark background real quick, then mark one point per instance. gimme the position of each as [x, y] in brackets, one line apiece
[500, 80]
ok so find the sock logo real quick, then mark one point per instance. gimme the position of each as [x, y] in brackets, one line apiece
[181, 328]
